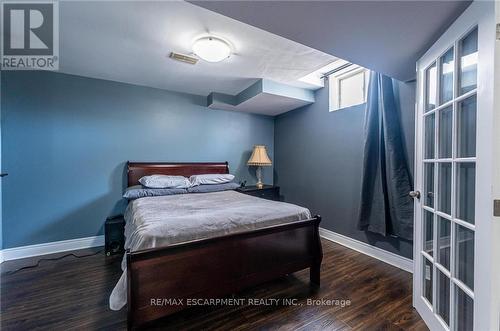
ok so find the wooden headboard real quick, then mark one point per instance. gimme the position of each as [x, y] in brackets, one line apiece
[136, 170]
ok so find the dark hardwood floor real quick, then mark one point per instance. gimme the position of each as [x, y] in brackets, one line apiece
[73, 293]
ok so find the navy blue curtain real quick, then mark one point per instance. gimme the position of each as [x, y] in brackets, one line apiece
[386, 207]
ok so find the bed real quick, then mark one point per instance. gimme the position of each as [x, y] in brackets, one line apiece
[207, 245]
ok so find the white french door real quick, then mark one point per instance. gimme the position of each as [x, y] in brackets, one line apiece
[453, 210]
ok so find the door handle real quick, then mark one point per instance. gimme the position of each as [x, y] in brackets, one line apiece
[415, 194]
[3, 175]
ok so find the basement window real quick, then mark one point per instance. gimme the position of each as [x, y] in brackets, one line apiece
[348, 87]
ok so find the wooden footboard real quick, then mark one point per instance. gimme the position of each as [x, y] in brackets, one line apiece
[216, 267]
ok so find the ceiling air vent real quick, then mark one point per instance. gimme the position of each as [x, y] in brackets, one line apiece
[183, 58]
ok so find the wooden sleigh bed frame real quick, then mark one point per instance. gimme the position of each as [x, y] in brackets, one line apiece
[214, 267]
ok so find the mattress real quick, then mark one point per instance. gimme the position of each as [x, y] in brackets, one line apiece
[161, 221]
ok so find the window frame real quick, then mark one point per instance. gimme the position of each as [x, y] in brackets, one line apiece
[335, 86]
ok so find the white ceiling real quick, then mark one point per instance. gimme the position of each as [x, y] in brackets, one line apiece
[264, 104]
[385, 36]
[129, 41]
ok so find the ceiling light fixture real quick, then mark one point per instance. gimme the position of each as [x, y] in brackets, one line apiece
[212, 49]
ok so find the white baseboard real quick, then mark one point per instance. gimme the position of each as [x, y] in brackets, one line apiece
[50, 248]
[81, 243]
[375, 252]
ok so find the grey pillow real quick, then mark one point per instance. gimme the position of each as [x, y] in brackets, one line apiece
[165, 181]
[210, 179]
[213, 188]
[139, 191]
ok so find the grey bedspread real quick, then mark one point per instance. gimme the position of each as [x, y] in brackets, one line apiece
[160, 221]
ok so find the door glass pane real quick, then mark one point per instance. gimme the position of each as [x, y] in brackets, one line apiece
[443, 296]
[444, 187]
[429, 137]
[445, 132]
[466, 122]
[428, 232]
[431, 87]
[468, 63]
[427, 283]
[429, 184]
[464, 311]
[444, 242]
[464, 256]
[466, 191]
[446, 84]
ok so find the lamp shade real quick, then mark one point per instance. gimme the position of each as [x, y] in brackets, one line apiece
[259, 157]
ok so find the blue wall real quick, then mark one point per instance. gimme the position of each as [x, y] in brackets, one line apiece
[65, 141]
[318, 162]
[1, 213]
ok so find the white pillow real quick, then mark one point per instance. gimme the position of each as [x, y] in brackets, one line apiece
[210, 179]
[164, 181]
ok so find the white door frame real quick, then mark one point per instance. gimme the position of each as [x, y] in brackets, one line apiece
[487, 253]
[495, 224]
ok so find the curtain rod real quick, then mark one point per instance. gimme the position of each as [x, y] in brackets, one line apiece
[342, 67]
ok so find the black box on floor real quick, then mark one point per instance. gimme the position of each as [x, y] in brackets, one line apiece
[114, 235]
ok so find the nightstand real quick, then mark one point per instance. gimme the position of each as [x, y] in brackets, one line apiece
[269, 192]
[114, 237]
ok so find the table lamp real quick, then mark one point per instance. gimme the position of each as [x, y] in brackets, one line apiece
[259, 159]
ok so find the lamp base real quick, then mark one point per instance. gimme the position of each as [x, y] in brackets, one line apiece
[259, 184]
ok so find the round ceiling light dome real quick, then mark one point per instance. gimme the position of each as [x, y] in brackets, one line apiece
[212, 49]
